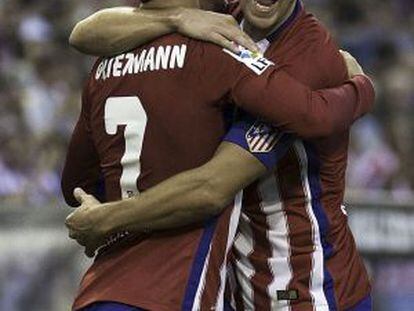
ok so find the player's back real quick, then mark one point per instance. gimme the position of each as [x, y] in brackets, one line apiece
[153, 113]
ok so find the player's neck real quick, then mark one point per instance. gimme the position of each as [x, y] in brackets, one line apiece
[162, 4]
[258, 34]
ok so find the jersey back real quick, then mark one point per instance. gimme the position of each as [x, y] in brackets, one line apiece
[152, 113]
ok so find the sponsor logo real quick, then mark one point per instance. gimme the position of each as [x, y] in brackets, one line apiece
[262, 138]
[253, 60]
[288, 295]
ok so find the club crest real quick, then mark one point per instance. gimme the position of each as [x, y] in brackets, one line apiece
[262, 138]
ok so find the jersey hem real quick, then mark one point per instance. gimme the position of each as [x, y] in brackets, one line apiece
[351, 305]
[147, 305]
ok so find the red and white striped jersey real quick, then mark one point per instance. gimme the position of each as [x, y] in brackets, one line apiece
[294, 250]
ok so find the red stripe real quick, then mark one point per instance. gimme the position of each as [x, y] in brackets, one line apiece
[216, 261]
[262, 142]
[262, 250]
[300, 228]
[270, 142]
[237, 290]
[346, 267]
[256, 143]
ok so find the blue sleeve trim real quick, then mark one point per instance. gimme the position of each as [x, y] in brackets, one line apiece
[263, 141]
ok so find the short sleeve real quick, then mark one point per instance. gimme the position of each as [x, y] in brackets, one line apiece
[264, 142]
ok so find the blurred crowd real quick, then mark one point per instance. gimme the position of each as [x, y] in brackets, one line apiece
[41, 79]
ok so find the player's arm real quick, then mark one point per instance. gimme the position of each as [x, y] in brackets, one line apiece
[115, 30]
[81, 167]
[294, 107]
[186, 198]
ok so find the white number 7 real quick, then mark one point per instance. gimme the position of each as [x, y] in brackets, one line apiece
[128, 111]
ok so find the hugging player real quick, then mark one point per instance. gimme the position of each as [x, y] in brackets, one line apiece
[289, 253]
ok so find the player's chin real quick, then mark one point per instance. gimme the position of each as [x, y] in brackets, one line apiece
[260, 21]
[260, 16]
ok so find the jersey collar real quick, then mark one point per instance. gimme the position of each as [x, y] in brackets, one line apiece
[288, 22]
[264, 43]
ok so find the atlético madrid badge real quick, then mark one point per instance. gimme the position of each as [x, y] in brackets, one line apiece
[262, 138]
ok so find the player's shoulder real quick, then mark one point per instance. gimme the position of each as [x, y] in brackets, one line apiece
[177, 54]
[169, 39]
[311, 28]
[213, 56]
[311, 31]
[321, 46]
[179, 39]
[309, 36]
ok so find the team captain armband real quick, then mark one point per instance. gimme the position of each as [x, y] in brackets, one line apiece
[253, 60]
[264, 142]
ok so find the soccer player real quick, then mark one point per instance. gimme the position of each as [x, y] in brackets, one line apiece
[288, 296]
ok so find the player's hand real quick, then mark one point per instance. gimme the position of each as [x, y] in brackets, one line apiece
[84, 223]
[354, 68]
[221, 29]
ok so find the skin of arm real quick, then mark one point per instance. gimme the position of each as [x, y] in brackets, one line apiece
[111, 31]
[189, 197]
[116, 30]
[186, 198]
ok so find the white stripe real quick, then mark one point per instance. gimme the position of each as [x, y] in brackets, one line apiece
[254, 140]
[243, 268]
[231, 281]
[271, 139]
[317, 272]
[262, 141]
[233, 225]
[278, 235]
[202, 283]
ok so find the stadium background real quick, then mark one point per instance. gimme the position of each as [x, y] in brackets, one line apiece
[40, 83]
